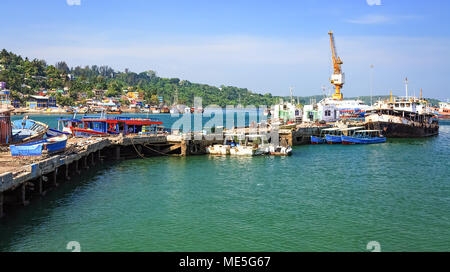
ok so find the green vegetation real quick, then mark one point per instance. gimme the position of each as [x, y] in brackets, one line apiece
[30, 76]
[25, 76]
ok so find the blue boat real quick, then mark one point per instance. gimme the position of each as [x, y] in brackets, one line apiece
[333, 139]
[52, 145]
[101, 125]
[317, 140]
[27, 130]
[364, 137]
[332, 135]
[321, 139]
[26, 150]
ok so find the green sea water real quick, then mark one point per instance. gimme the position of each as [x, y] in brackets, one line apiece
[322, 198]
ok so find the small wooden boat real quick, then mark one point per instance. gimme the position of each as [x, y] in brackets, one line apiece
[114, 112]
[364, 137]
[27, 130]
[51, 145]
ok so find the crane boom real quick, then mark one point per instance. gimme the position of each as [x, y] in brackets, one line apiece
[337, 78]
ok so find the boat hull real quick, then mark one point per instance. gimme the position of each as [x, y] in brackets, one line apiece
[245, 151]
[398, 130]
[332, 139]
[218, 150]
[51, 145]
[317, 140]
[32, 150]
[79, 132]
[56, 147]
[366, 140]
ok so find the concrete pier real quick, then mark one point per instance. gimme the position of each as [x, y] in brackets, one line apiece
[24, 178]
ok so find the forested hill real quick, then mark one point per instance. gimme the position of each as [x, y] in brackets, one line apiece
[25, 76]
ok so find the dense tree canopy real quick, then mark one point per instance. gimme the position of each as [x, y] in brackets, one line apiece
[24, 76]
[28, 76]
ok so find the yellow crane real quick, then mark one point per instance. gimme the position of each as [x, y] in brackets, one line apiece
[337, 78]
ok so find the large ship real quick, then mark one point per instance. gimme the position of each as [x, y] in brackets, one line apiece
[403, 117]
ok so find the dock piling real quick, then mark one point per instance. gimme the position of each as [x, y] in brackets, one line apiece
[1, 205]
[23, 194]
[85, 162]
[67, 177]
[77, 168]
[55, 177]
[40, 186]
[117, 153]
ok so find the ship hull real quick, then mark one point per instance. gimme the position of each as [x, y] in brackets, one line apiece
[396, 130]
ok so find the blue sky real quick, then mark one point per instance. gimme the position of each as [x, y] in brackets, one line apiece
[265, 46]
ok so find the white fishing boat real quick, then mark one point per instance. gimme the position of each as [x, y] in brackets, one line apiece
[250, 145]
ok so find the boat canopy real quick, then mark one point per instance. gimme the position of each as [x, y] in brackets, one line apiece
[351, 128]
[369, 130]
[330, 129]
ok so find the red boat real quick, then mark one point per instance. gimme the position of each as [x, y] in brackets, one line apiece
[98, 126]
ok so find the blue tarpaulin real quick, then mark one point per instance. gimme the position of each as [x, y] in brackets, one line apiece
[32, 150]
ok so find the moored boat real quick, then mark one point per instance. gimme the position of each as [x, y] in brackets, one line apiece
[332, 135]
[27, 130]
[116, 111]
[218, 149]
[52, 145]
[321, 138]
[403, 117]
[100, 125]
[249, 145]
[364, 137]
[444, 111]
[317, 140]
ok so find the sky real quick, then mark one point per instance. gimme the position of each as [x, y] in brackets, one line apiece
[265, 46]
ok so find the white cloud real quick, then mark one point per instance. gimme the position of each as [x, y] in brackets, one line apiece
[73, 2]
[374, 2]
[267, 64]
[371, 19]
